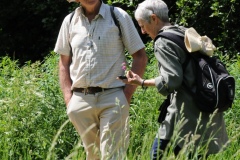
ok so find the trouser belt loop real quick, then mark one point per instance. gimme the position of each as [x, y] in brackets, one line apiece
[85, 91]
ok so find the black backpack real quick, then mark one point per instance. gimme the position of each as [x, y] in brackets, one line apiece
[215, 87]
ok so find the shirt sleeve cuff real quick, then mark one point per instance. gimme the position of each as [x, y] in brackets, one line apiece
[161, 85]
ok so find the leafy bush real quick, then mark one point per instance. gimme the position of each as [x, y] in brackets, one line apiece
[38, 23]
[32, 110]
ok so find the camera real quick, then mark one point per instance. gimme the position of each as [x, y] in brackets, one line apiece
[122, 77]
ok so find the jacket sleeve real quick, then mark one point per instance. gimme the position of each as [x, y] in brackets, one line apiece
[169, 57]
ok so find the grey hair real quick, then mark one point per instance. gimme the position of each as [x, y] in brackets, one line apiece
[73, 1]
[149, 7]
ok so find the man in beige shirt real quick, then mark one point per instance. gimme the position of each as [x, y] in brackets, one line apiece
[91, 54]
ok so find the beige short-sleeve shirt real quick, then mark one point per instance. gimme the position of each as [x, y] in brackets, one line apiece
[97, 49]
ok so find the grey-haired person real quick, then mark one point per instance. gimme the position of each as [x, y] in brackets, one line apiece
[152, 17]
[91, 54]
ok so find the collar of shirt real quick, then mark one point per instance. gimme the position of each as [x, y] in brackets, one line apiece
[102, 11]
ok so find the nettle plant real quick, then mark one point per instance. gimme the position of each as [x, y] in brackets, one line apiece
[125, 67]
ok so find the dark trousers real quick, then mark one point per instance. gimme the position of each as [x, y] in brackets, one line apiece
[159, 146]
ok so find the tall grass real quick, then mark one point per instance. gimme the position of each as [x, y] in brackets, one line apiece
[34, 124]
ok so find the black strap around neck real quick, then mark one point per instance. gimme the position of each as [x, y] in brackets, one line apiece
[115, 20]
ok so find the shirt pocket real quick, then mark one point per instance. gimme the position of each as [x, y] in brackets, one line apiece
[110, 41]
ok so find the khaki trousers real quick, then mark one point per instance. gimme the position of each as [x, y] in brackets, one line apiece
[101, 120]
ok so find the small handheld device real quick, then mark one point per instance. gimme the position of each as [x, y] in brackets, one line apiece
[122, 77]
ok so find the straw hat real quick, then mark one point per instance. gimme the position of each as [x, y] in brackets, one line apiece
[195, 42]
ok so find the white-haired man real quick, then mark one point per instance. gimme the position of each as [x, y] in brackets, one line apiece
[152, 17]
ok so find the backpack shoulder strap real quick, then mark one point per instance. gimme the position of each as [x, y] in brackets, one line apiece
[173, 37]
[179, 40]
[71, 16]
[115, 20]
[112, 14]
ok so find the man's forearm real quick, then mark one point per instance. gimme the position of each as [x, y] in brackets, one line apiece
[139, 63]
[138, 66]
[65, 81]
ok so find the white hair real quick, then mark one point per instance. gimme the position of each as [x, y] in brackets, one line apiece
[149, 7]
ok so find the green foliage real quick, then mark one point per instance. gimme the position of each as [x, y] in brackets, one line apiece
[29, 32]
[32, 110]
[215, 18]
[34, 124]
[33, 121]
[29, 28]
